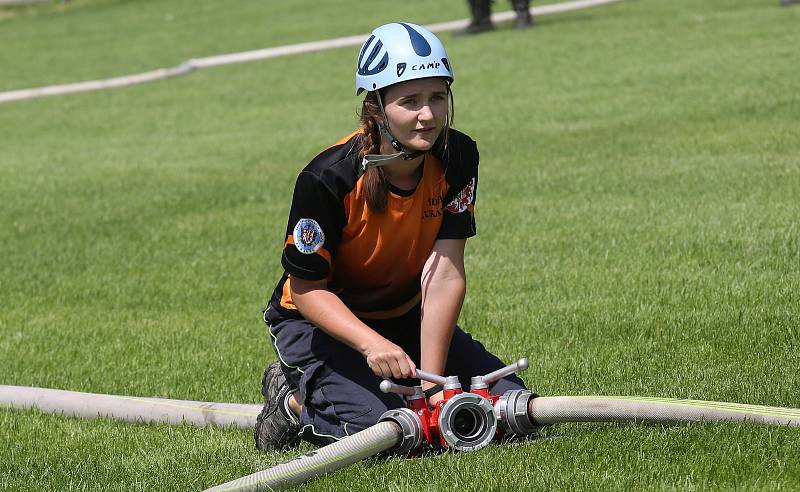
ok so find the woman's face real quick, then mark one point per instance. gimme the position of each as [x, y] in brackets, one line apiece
[417, 111]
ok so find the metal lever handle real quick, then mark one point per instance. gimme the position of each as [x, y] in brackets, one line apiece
[431, 377]
[519, 365]
[390, 387]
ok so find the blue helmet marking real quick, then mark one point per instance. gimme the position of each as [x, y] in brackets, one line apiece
[363, 65]
[421, 45]
[364, 48]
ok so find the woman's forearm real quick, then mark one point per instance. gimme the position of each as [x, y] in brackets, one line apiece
[443, 289]
[440, 311]
[324, 308]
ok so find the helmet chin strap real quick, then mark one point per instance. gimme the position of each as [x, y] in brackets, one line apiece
[383, 159]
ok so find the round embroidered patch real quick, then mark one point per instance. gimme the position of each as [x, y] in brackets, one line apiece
[308, 236]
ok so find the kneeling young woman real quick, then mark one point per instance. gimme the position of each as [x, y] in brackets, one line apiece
[374, 255]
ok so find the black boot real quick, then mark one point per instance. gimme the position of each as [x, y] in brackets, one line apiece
[524, 19]
[481, 17]
[277, 427]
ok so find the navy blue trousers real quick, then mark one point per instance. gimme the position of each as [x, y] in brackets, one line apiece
[340, 393]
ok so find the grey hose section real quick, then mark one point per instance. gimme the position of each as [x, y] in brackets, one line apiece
[369, 442]
[129, 408]
[557, 409]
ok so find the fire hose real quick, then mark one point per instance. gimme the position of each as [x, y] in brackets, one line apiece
[470, 421]
[129, 408]
[461, 421]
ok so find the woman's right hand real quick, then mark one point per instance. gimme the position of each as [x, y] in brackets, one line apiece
[388, 360]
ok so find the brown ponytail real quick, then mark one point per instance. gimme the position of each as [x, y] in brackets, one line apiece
[376, 186]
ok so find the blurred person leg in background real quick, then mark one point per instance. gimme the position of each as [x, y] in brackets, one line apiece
[524, 18]
[481, 11]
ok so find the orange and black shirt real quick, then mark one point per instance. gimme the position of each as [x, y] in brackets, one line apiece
[373, 261]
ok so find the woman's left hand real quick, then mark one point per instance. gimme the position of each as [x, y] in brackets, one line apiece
[435, 398]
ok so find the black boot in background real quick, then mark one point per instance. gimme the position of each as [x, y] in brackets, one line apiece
[524, 19]
[481, 17]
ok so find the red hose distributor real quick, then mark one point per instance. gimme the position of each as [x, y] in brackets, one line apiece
[464, 421]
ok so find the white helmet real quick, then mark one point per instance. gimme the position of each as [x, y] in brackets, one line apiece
[398, 52]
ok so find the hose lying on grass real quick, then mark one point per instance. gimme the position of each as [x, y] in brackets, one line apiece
[541, 410]
[557, 409]
[380, 437]
[195, 64]
[383, 436]
[129, 408]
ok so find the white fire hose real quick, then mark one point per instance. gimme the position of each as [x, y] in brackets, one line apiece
[468, 418]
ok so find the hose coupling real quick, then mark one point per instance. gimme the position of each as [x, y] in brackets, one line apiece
[467, 422]
[410, 427]
[511, 411]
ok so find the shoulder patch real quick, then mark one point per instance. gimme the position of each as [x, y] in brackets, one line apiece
[464, 199]
[308, 236]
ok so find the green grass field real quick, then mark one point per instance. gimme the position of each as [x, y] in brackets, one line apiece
[638, 218]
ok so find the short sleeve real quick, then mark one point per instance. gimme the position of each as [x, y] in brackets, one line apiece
[461, 172]
[313, 231]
